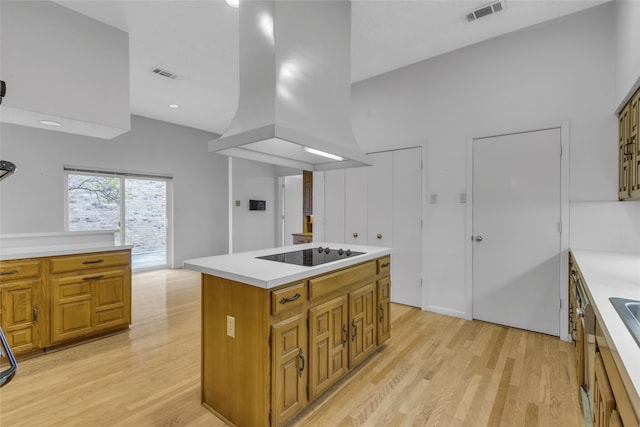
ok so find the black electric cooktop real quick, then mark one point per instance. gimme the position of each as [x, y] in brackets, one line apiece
[311, 257]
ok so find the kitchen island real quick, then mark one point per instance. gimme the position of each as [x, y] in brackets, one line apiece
[276, 335]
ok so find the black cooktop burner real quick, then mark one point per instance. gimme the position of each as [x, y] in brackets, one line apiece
[311, 257]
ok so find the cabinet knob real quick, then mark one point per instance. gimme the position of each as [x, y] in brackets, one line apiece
[379, 236]
[355, 235]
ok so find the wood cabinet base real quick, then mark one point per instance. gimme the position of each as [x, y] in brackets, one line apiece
[266, 353]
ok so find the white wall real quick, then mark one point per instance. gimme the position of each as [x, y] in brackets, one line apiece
[32, 200]
[61, 63]
[628, 47]
[559, 71]
[253, 229]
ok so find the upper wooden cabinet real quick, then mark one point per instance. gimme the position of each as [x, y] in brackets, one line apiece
[629, 150]
[307, 193]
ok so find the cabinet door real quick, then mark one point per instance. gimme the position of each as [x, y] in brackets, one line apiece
[334, 205]
[379, 200]
[384, 309]
[624, 161]
[328, 339]
[111, 291]
[21, 302]
[71, 308]
[289, 375]
[307, 193]
[603, 400]
[362, 322]
[355, 202]
[634, 158]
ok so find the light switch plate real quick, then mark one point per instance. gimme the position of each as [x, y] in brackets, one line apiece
[231, 326]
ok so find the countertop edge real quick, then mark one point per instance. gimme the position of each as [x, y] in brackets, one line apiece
[58, 250]
[223, 265]
[625, 350]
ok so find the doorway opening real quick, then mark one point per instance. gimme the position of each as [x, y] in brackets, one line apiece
[136, 206]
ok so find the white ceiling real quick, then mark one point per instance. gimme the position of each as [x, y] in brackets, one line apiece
[197, 40]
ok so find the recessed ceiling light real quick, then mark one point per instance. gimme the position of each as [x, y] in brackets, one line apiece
[50, 123]
[233, 3]
[174, 106]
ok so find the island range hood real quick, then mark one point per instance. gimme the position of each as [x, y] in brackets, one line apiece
[294, 105]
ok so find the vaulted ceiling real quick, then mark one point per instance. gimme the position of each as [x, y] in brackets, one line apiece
[198, 41]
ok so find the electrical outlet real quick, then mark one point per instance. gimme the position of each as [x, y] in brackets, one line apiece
[231, 326]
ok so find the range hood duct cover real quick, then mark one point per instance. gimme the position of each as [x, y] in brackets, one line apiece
[295, 86]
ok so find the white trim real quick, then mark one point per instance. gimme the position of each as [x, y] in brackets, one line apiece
[565, 143]
[445, 311]
[230, 202]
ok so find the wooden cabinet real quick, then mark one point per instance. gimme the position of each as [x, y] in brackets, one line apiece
[328, 339]
[22, 304]
[603, 400]
[362, 320]
[629, 150]
[307, 193]
[90, 302]
[274, 350]
[289, 344]
[51, 300]
[384, 300]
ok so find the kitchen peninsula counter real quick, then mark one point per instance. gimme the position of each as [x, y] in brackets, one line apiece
[275, 336]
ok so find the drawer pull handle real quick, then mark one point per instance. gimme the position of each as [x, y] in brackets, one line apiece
[35, 313]
[381, 312]
[346, 335]
[290, 299]
[98, 277]
[301, 356]
[8, 273]
[95, 261]
[355, 330]
[385, 265]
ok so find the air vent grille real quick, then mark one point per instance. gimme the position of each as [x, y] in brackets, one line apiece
[164, 73]
[486, 10]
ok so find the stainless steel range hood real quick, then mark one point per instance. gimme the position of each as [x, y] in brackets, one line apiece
[295, 86]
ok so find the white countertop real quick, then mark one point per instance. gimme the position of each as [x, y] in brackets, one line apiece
[35, 245]
[57, 250]
[614, 274]
[244, 267]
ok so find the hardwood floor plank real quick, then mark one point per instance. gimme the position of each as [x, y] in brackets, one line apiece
[435, 370]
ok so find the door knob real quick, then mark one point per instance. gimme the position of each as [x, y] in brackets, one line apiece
[478, 239]
[355, 235]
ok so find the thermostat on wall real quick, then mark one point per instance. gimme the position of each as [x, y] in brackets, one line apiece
[257, 205]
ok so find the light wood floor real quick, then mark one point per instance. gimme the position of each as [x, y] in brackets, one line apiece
[435, 370]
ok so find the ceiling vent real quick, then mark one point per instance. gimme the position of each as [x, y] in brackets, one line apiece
[165, 73]
[486, 10]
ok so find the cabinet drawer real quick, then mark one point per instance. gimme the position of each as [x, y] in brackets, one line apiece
[329, 283]
[287, 298]
[89, 261]
[384, 266]
[19, 269]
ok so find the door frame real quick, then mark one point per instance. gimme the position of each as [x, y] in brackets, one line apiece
[564, 218]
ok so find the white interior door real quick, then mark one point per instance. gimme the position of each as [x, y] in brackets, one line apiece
[406, 265]
[516, 217]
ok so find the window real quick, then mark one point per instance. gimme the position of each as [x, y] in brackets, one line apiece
[99, 200]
